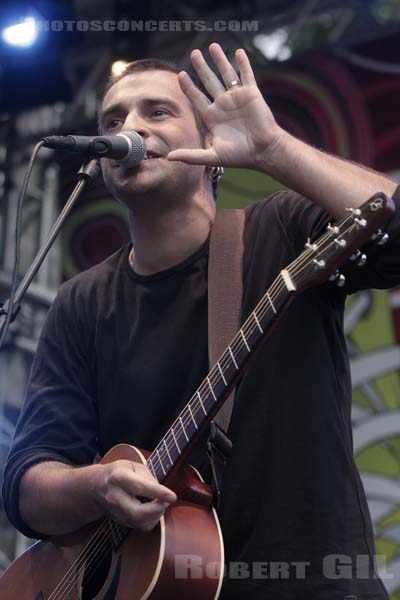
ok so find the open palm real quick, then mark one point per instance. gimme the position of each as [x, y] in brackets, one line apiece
[240, 122]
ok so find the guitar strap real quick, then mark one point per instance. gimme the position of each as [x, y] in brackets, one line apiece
[225, 283]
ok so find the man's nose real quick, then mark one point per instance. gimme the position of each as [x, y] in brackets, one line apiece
[136, 123]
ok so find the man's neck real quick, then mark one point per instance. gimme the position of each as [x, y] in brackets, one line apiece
[166, 238]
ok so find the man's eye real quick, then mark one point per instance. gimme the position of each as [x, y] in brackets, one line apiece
[112, 123]
[159, 112]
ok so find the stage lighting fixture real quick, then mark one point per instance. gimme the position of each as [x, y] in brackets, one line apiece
[118, 67]
[23, 34]
[274, 44]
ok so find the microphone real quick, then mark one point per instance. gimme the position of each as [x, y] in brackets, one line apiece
[127, 147]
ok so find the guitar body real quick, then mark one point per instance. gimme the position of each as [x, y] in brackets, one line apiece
[182, 557]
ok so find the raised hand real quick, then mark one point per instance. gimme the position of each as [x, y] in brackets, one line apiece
[242, 128]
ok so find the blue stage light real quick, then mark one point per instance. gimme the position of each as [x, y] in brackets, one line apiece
[21, 34]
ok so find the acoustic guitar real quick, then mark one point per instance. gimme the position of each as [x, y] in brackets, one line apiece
[183, 556]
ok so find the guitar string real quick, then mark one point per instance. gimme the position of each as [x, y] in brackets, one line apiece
[279, 287]
[89, 560]
[91, 564]
[300, 261]
[85, 558]
[264, 303]
[102, 529]
[188, 415]
[100, 532]
[88, 567]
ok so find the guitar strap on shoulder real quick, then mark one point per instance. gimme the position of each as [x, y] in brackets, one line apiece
[225, 284]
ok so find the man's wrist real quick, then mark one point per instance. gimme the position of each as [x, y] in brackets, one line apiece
[272, 159]
[87, 481]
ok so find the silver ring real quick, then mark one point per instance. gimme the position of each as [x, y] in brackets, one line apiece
[233, 84]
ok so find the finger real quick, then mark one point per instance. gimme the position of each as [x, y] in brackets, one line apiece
[133, 513]
[147, 522]
[194, 156]
[227, 71]
[245, 68]
[152, 509]
[143, 470]
[136, 485]
[208, 78]
[137, 467]
[196, 97]
[144, 510]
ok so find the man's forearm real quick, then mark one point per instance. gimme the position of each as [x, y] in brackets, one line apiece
[55, 498]
[332, 183]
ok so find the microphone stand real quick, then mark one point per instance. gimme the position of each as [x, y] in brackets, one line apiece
[86, 174]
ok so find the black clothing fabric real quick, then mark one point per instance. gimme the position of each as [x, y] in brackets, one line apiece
[121, 354]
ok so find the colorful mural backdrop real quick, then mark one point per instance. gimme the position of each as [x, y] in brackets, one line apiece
[373, 334]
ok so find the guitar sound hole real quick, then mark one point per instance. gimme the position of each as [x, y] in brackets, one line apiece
[95, 576]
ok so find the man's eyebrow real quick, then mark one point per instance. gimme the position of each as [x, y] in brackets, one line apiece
[147, 102]
[162, 100]
[110, 110]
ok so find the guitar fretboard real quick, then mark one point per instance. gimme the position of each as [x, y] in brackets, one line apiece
[214, 388]
[220, 380]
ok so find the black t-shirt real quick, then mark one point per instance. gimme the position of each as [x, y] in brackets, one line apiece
[121, 354]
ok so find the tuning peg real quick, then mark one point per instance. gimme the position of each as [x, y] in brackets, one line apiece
[338, 278]
[360, 223]
[340, 243]
[380, 237]
[383, 239]
[333, 229]
[319, 265]
[311, 246]
[355, 213]
[359, 258]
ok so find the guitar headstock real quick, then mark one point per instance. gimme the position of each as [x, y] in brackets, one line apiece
[320, 259]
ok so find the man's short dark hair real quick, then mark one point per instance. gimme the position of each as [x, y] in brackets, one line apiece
[157, 64]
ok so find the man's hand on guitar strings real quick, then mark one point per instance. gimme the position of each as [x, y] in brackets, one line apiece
[120, 489]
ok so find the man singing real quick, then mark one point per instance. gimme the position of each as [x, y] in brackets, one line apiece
[125, 343]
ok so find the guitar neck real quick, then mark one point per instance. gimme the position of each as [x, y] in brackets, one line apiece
[214, 389]
[317, 262]
[217, 385]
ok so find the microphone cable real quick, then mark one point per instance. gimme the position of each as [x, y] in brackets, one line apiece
[7, 308]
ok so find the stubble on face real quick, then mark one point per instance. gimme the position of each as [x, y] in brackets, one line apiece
[153, 104]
